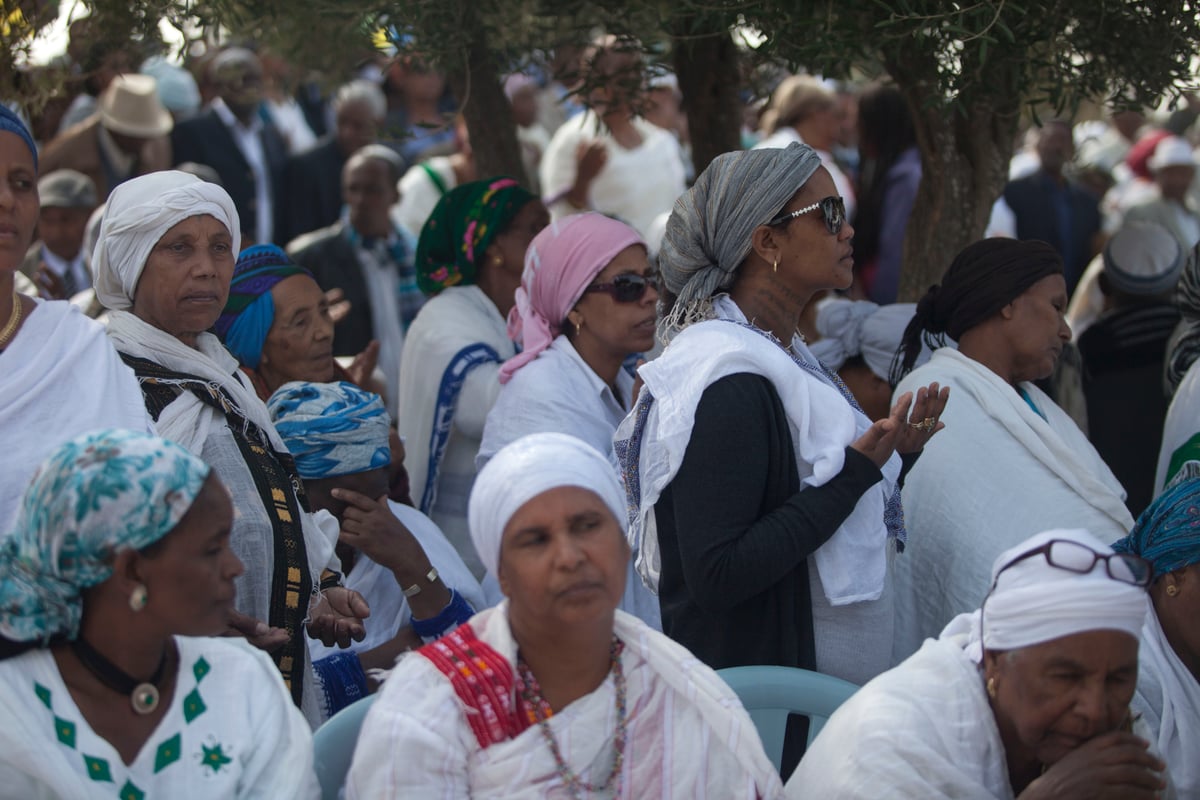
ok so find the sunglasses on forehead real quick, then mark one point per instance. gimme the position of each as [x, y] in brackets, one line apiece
[833, 209]
[625, 288]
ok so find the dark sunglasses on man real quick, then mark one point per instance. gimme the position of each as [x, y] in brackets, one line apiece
[833, 209]
[625, 288]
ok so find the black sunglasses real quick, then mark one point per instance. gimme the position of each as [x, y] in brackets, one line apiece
[625, 288]
[833, 209]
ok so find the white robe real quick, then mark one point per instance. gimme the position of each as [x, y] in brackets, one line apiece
[922, 730]
[458, 332]
[996, 475]
[1168, 698]
[1179, 456]
[688, 736]
[59, 378]
[558, 392]
[246, 740]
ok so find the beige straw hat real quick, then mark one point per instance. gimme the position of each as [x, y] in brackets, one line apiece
[130, 106]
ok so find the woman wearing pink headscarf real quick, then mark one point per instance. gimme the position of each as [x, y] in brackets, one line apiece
[585, 305]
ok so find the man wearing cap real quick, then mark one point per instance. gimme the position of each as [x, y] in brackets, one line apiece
[127, 137]
[1174, 167]
[56, 262]
[1123, 353]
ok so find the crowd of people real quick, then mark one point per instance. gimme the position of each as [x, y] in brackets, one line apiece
[303, 412]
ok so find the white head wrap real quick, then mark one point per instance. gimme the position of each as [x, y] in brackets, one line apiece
[138, 213]
[526, 468]
[852, 328]
[1034, 602]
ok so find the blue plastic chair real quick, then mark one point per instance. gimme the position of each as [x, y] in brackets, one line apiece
[333, 746]
[771, 693]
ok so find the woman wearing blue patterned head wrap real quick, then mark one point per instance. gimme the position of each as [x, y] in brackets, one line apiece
[250, 310]
[120, 556]
[392, 554]
[1167, 534]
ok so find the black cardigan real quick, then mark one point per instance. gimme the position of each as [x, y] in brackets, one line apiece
[735, 531]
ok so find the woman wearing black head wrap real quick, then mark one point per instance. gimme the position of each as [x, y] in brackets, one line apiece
[1012, 463]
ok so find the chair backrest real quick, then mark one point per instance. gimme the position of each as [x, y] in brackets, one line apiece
[771, 693]
[333, 746]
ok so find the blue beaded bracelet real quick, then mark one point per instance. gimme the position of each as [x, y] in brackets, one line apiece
[456, 612]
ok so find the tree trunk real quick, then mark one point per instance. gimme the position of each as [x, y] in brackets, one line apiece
[488, 115]
[965, 151]
[707, 69]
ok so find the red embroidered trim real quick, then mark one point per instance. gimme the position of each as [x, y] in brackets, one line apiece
[483, 680]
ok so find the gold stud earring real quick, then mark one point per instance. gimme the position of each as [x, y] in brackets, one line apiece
[991, 688]
[498, 261]
[775, 266]
[138, 598]
[1172, 590]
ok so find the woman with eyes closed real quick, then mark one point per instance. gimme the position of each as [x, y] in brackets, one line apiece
[1013, 462]
[585, 305]
[555, 693]
[163, 266]
[1027, 698]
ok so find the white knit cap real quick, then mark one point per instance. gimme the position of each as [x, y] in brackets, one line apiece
[1173, 151]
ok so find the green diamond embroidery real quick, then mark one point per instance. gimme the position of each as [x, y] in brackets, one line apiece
[65, 731]
[193, 705]
[97, 769]
[214, 757]
[200, 669]
[168, 754]
[43, 694]
[131, 792]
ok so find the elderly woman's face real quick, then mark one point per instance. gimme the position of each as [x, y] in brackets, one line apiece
[1053, 697]
[1036, 328]
[18, 200]
[299, 346]
[563, 559]
[810, 257]
[186, 280]
[189, 577]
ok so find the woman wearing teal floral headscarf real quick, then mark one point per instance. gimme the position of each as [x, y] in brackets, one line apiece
[471, 255]
[114, 580]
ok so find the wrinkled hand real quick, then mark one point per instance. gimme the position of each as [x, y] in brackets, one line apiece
[590, 158]
[256, 632]
[339, 306]
[337, 618]
[1115, 765]
[928, 405]
[362, 368]
[50, 286]
[370, 526]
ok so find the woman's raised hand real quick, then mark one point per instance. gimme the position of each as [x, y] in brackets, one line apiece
[925, 419]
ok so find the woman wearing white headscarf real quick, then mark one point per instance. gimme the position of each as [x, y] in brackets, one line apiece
[554, 693]
[163, 266]
[1026, 698]
[766, 500]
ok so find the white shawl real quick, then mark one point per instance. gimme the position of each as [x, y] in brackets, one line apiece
[59, 377]
[1168, 698]
[998, 474]
[853, 562]
[688, 735]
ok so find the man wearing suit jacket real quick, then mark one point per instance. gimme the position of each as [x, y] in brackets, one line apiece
[369, 259]
[312, 180]
[247, 151]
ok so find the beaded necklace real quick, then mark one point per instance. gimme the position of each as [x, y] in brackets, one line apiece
[539, 711]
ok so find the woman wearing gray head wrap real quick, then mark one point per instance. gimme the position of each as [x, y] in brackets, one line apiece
[766, 500]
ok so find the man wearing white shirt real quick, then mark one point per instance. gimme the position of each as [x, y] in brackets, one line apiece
[56, 262]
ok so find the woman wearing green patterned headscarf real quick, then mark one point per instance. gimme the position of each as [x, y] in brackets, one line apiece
[471, 255]
[113, 582]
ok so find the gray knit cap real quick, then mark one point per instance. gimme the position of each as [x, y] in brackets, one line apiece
[708, 234]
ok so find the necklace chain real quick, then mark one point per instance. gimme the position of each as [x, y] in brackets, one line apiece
[540, 712]
[14, 319]
[143, 695]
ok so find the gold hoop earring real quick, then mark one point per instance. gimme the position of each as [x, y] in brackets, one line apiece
[138, 598]
[991, 688]
[1172, 590]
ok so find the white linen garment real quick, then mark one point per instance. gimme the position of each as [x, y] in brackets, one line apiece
[1179, 456]
[1168, 699]
[688, 736]
[996, 475]
[231, 731]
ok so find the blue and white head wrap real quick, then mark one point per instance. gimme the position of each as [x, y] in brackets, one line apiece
[249, 312]
[98, 494]
[331, 429]
[1167, 534]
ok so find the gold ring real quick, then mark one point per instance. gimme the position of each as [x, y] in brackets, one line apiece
[924, 425]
